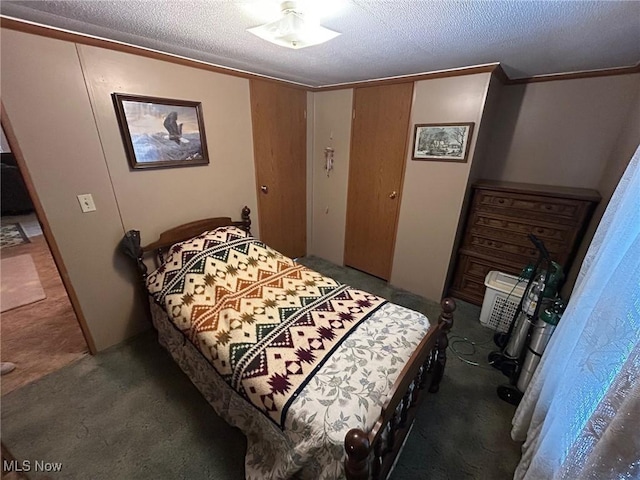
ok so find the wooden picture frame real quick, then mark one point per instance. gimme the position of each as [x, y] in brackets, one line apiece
[443, 142]
[160, 132]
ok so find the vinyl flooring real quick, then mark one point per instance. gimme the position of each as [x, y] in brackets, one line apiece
[44, 336]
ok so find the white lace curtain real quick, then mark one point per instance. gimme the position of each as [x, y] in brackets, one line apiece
[580, 415]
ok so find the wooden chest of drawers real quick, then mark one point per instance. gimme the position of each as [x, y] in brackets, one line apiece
[500, 218]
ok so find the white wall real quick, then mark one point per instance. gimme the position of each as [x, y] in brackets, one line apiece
[433, 192]
[57, 96]
[332, 128]
[154, 200]
[46, 101]
[619, 155]
[559, 132]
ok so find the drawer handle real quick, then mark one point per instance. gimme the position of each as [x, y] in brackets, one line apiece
[501, 200]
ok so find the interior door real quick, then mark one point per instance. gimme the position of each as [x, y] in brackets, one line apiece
[279, 122]
[376, 168]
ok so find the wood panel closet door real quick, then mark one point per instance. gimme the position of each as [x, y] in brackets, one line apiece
[376, 169]
[278, 115]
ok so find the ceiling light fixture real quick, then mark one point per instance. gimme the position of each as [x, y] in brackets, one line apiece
[294, 29]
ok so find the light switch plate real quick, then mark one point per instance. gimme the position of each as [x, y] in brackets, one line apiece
[86, 203]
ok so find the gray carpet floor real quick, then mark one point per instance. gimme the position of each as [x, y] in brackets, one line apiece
[130, 413]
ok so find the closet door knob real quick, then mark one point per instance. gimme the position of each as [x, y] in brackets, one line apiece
[393, 194]
[264, 189]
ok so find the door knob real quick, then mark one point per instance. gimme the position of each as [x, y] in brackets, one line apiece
[393, 194]
[264, 189]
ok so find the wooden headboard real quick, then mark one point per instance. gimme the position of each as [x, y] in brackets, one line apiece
[130, 244]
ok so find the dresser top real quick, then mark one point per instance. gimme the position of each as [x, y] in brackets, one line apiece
[543, 190]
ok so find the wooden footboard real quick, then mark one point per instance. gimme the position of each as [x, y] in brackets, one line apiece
[370, 456]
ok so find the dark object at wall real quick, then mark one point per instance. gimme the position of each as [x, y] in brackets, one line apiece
[15, 198]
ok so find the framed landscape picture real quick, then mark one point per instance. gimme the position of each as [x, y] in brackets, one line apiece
[159, 132]
[448, 142]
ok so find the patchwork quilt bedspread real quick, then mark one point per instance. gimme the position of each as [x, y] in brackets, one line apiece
[265, 323]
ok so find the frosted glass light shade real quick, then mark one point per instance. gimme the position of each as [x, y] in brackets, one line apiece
[293, 31]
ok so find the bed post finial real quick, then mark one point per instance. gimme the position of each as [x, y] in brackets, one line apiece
[246, 219]
[446, 316]
[446, 322]
[357, 446]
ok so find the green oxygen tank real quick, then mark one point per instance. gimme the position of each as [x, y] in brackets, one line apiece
[556, 276]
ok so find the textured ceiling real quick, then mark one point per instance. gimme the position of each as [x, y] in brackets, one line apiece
[380, 38]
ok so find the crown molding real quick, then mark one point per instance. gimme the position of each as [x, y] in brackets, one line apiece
[453, 72]
[606, 72]
[84, 39]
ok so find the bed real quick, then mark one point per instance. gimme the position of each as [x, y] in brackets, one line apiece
[322, 378]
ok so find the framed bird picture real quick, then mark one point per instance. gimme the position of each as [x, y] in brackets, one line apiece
[160, 132]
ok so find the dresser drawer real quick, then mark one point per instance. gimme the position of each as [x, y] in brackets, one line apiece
[471, 271]
[502, 247]
[550, 209]
[503, 256]
[510, 241]
[544, 231]
[468, 289]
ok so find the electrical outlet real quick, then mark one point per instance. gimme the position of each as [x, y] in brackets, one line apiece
[86, 203]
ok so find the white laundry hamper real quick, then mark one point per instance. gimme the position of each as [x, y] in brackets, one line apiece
[501, 299]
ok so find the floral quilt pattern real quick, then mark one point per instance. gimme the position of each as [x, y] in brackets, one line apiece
[348, 391]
